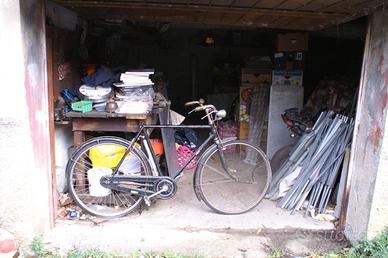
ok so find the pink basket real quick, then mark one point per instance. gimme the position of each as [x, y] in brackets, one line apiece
[184, 154]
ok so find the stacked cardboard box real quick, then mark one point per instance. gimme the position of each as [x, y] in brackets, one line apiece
[250, 78]
[287, 87]
[292, 41]
[289, 61]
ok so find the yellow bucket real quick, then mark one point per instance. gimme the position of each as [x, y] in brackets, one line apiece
[106, 155]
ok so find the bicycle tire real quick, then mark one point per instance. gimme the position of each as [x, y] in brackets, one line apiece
[228, 195]
[116, 204]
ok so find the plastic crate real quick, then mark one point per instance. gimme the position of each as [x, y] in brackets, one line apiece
[83, 106]
[184, 154]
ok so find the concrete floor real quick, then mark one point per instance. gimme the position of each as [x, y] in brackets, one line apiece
[185, 225]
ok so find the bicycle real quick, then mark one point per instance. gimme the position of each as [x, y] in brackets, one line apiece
[231, 176]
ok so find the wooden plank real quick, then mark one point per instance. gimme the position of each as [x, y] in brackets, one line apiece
[106, 125]
[95, 114]
[270, 4]
[293, 4]
[353, 7]
[78, 138]
[226, 2]
[51, 98]
[309, 14]
[144, 8]
[344, 191]
[169, 144]
[260, 22]
[245, 3]
[314, 5]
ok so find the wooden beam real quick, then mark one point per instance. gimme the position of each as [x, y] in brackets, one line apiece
[177, 7]
[105, 125]
[212, 21]
[51, 99]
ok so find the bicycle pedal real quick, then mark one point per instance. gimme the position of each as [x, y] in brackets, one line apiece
[147, 201]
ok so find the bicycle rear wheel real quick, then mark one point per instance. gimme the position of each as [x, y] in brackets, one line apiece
[237, 186]
[98, 157]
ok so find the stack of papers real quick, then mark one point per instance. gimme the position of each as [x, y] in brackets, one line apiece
[135, 79]
[135, 92]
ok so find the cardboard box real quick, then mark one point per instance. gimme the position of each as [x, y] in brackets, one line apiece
[292, 42]
[255, 76]
[244, 131]
[245, 94]
[289, 60]
[283, 77]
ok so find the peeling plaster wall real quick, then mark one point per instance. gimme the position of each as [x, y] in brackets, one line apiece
[24, 135]
[379, 209]
[369, 159]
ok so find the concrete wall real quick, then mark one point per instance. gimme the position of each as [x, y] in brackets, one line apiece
[367, 209]
[379, 209]
[24, 134]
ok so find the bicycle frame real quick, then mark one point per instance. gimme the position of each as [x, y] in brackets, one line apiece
[136, 184]
[143, 134]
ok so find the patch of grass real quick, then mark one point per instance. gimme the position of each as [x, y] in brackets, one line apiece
[89, 253]
[377, 247]
[342, 253]
[38, 247]
[40, 250]
[167, 254]
[277, 253]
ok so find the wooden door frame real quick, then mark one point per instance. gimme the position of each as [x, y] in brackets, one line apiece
[50, 93]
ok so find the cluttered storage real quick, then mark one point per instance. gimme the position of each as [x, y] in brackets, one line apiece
[254, 113]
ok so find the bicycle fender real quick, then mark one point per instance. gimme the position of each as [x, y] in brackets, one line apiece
[200, 163]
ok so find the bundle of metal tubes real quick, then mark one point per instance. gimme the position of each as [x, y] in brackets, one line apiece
[308, 176]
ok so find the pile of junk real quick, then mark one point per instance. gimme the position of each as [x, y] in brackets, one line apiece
[120, 91]
[311, 174]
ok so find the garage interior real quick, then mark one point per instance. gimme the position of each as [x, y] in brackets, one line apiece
[208, 49]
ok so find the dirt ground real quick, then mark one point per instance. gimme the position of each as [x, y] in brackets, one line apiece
[186, 226]
[300, 242]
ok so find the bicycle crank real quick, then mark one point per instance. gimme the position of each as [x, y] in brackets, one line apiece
[164, 189]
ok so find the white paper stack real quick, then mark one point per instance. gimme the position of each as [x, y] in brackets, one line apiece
[134, 79]
[135, 92]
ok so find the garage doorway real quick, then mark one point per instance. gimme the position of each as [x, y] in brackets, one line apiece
[201, 50]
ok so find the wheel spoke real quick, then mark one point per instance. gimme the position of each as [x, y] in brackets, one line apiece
[218, 182]
[217, 171]
[117, 203]
[236, 195]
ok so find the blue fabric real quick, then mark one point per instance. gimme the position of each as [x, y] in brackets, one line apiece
[102, 77]
[186, 137]
[69, 94]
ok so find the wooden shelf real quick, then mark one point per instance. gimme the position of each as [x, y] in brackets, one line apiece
[63, 122]
[95, 114]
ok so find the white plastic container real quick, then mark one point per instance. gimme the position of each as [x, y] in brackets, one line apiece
[94, 176]
[63, 141]
[131, 165]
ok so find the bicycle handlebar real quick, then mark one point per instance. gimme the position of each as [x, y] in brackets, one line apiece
[204, 107]
[211, 112]
[196, 102]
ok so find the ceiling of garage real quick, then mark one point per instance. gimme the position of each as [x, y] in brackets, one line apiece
[307, 15]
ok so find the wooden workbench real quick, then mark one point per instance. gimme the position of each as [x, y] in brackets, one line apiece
[105, 122]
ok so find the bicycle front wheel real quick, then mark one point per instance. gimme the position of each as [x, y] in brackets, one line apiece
[233, 180]
[99, 157]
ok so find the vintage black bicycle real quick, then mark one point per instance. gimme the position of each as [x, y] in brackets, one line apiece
[110, 177]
